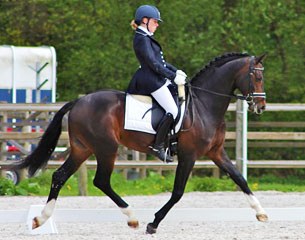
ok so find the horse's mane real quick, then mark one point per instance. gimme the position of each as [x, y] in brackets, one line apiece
[219, 61]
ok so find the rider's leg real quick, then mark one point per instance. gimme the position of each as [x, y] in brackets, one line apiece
[162, 131]
[165, 99]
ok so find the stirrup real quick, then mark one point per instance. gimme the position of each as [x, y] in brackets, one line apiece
[161, 154]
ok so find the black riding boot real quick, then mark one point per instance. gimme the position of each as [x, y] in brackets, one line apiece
[162, 132]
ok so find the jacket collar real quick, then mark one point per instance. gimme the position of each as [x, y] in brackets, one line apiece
[141, 32]
[145, 31]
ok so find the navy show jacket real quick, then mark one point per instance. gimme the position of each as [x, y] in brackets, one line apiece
[154, 70]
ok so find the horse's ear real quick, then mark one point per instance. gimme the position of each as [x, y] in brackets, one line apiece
[261, 58]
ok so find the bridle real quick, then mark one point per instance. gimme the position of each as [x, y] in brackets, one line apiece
[249, 97]
[252, 95]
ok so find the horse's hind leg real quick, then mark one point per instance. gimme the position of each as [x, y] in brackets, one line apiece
[60, 176]
[227, 166]
[105, 165]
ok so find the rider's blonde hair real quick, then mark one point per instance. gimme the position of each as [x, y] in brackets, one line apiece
[133, 25]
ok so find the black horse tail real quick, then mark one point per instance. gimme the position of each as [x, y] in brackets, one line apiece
[40, 156]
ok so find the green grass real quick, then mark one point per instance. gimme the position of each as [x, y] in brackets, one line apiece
[152, 184]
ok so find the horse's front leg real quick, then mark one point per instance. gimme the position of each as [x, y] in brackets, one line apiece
[227, 166]
[182, 173]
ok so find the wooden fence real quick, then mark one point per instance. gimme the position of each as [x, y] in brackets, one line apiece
[21, 125]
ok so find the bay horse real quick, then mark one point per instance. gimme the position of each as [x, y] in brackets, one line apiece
[96, 123]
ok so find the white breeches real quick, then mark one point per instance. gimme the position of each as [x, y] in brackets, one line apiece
[164, 97]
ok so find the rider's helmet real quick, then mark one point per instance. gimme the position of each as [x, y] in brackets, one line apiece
[147, 11]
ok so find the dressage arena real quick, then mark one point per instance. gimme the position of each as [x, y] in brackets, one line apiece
[199, 215]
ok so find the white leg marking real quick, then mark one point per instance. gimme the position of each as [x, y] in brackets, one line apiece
[46, 212]
[129, 213]
[132, 220]
[255, 204]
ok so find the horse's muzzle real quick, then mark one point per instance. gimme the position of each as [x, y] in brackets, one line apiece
[257, 107]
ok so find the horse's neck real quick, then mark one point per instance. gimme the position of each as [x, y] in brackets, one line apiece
[212, 107]
[213, 104]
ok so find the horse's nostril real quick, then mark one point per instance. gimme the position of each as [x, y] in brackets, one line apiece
[263, 107]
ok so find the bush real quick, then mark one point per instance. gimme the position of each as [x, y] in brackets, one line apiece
[7, 187]
[209, 184]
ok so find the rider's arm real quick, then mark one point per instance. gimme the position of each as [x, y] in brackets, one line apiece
[145, 50]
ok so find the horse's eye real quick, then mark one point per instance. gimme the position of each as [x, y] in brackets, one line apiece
[259, 79]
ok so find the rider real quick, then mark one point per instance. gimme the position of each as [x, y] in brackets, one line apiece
[154, 74]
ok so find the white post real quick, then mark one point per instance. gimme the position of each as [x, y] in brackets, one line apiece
[245, 140]
[241, 137]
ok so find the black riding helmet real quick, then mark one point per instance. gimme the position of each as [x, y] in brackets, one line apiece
[147, 11]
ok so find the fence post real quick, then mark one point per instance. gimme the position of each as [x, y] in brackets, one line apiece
[143, 171]
[241, 137]
[27, 146]
[83, 180]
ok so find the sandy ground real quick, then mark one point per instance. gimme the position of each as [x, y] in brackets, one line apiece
[237, 230]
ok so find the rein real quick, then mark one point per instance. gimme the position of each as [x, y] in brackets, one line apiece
[249, 97]
[241, 97]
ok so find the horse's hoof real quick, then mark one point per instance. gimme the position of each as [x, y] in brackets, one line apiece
[150, 229]
[262, 217]
[35, 223]
[133, 224]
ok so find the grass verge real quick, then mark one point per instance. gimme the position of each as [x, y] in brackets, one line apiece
[152, 184]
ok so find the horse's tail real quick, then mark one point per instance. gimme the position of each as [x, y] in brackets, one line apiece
[40, 156]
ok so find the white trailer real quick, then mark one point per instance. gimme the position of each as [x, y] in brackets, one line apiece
[27, 74]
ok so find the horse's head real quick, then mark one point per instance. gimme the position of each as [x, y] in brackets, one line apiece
[253, 86]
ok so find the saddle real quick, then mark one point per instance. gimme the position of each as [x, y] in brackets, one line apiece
[143, 114]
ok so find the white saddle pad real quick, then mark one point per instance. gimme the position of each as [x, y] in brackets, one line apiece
[137, 116]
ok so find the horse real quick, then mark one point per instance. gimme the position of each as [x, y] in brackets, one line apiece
[96, 126]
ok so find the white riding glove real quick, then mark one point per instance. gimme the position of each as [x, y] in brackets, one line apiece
[180, 77]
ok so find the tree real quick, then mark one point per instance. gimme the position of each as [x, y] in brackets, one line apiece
[93, 39]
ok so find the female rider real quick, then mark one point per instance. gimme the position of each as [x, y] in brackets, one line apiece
[154, 74]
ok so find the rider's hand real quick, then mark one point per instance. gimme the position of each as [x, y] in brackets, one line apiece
[180, 72]
[180, 77]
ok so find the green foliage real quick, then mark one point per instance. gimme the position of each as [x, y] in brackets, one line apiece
[289, 183]
[209, 184]
[7, 187]
[93, 39]
[154, 183]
